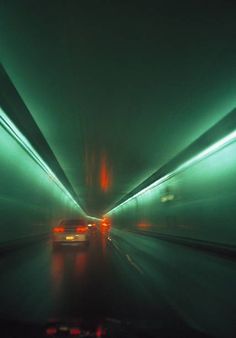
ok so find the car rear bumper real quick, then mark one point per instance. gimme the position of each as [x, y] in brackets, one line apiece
[70, 238]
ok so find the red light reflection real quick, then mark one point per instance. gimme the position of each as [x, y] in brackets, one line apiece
[67, 262]
[75, 331]
[50, 331]
[81, 263]
[144, 225]
[58, 265]
[105, 174]
[99, 331]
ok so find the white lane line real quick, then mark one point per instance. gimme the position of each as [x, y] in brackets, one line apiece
[134, 264]
[116, 246]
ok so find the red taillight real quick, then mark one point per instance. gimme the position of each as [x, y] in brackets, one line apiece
[75, 331]
[58, 229]
[51, 331]
[81, 230]
[100, 332]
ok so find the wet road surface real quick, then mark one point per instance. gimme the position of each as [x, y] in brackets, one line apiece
[131, 277]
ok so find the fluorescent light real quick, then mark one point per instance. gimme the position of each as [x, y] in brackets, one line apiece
[210, 150]
[151, 186]
[202, 155]
[20, 138]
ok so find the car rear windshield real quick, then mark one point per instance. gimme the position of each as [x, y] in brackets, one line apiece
[73, 223]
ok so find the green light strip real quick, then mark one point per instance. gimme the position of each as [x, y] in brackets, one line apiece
[202, 155]
[20, 138]
[210, 150]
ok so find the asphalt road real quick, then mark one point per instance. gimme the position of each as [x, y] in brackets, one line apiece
[120, 276]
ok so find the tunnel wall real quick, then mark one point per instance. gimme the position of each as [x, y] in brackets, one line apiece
[30, 201]
[196, 203]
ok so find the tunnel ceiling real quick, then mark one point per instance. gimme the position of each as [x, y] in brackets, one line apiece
[119, 88]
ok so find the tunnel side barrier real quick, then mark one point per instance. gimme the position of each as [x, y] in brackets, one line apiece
[34, 191]
[22, 242]
[226, 251]
[19, 116]
[193, 200]
[32, 199]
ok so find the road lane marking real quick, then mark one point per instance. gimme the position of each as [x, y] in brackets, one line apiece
[116, 246]
[134, 264]
[127, 256]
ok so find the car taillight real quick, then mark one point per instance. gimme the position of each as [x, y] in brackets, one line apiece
[81, 230]
[58, 229]
[75, 331]
[51, 331]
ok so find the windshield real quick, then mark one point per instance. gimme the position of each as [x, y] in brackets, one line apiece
[118, 166]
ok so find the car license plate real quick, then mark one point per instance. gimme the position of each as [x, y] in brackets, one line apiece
[69, 238]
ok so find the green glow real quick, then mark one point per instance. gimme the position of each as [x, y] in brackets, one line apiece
[20, 138]
[151, 186]
[209, 151]
[202, 155]
[95, 218]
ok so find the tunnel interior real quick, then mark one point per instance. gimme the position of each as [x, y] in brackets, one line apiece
[122, 113]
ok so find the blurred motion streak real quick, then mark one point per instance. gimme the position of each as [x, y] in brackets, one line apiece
[105, 225]
[104, 243]
[81, 263]
[144, 225]
[105, 174]
[58, 264]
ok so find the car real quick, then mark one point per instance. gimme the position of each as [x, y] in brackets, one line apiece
[92, 227]
[70, 231]
[105, 225]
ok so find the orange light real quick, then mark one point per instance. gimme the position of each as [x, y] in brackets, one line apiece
[81, 230]
[58, 229]
[106, 222]
[144, 225]
[105, 174]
